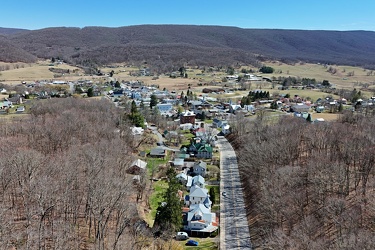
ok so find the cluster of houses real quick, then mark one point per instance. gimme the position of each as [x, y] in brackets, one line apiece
[197, 216]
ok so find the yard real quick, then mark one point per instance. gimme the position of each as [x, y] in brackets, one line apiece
[204, 243]
[158, 189]
[216, 203]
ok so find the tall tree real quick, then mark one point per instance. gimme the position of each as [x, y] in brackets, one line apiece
[212, 195]
[135, 117]
[154, 101]
[168, 216]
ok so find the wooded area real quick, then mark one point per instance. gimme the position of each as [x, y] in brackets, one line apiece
[62, 178]
[164, 45]
[309, 186]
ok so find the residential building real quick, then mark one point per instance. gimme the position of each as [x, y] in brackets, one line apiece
[201, 150]
[164, 108]
[200, 168]
[197, 180]
[199, 218]
[187, 117]
[198, 195]
[137, 166]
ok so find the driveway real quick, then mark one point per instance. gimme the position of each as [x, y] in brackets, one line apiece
[161, 139]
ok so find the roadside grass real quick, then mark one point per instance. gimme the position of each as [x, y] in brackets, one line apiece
[158, 189]
[212, 171]
[216, 207]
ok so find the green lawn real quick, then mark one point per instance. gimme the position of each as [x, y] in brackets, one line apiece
[216, 206]
[204, 244]
[153, 164]
[156, 197]
[187, 136]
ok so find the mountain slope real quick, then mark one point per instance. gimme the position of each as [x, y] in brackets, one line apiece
[11, 53]
[204, 44]
[10, 31]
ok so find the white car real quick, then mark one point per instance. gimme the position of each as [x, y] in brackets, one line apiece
[182, 236]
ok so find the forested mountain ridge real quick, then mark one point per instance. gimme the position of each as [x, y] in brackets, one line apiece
[201, 45]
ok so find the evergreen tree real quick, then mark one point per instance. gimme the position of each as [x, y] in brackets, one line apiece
[308, 118]
[135, 117]
[133, 108]
[90, 92]
[341, 108]
[168, 215]
[203, 116]
[273, 105]
[154, 101]
[212, 195]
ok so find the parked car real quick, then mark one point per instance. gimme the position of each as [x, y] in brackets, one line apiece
[182, 236]
[224, 194]
[192, 243]
[20, 109]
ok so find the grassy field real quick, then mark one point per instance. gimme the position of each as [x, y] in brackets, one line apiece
[320, 73]
[39, 71]
[325, 116]
[35, 71]
[156, 197]
[313, 94]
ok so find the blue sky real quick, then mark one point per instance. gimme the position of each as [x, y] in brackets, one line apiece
[287, 14]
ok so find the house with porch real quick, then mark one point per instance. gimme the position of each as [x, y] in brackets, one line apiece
[199, 219]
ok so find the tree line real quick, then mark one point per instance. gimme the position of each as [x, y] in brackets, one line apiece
[63, 181]
[309, 186]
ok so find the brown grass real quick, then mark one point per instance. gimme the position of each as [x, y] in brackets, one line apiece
[319, 72]
[325, 116]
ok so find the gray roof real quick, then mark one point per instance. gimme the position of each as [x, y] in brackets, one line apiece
[159, 151]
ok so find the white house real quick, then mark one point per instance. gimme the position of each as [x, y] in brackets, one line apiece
[196, 180]
[198, 195]
[137, 130]
[200, 218]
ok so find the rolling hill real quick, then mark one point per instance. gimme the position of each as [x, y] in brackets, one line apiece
[196, 45]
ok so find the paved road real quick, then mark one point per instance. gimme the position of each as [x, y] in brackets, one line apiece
[234, 228]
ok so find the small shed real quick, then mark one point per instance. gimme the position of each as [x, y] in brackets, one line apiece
[137, 166]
